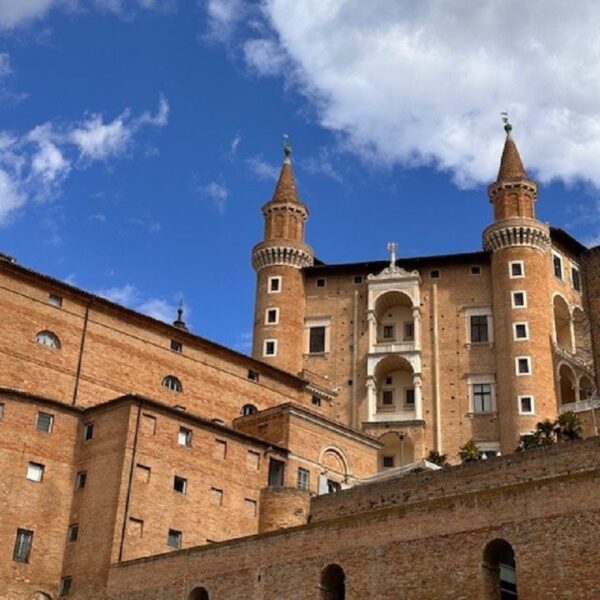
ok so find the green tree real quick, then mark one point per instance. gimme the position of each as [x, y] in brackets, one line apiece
[437, 459]
[469, 452]
[568, 427]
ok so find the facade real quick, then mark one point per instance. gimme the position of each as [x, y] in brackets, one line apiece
[138, 460]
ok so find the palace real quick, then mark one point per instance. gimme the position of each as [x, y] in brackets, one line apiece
[138, 460]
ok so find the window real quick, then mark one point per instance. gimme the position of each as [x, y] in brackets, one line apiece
[557, 264]
[475, 270]
[389, 380]
[184, 437]
[253, 375]
[174, 538]
[148, 424]
[482, 397]
[521, 331]
[388, 462]
[88, 431]
[23, 542]
[216, 496]
[248, 409]
[65, 586]
[274, 285]
[135, 527]
[80, 480]
[220, 450]
[575, 278]
[250, 507]
[303, 479]
[270, 348]
[389, 332]
[526, 405]
[142, 473]
[73, 532]
[35, 472]
[315, 400]
[519, 299]
[1, 409]
[409, 398]
[333, 486]
[176, 346]
[47, 338]
[276, 472]
[479, 329]
[358, 279]
[387, 398]
[316, 344]
[523, 365]
[55, 300]
[272, 316]
[45, 421]
[321, 282]
[516, 269]
[434, 274]
[180, 484]
[172, 383]
[253, 460]
[409, 331]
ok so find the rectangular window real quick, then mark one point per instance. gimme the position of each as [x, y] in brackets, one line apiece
[220, 450]
[80, 480]
[526, 405]
[482, 397]
[73, 532]
[434, 274]
[176, 346]
[66, 583]
[142, 473]
[521, 331]
[519, 299]
[276, 472]
[303, 479]
[409, 398]
[250, 507]
[272, 316]
[387, 397]
[479, 329]
[409, 331]
[475, 270]
[274, 285]
[1, 409]
[148, 424]
[557, 263]
[516, 269]
[316, 343]
[45, 422]
[388, 462]
[575, 279]
[23, 543]
[321, 283]
[88, 431]
[174, 538]
[270, 348]
[253, 375]
[216, 496]
[358, 279]
[180, 484]
[315, 401]
[523, 365]
[253, 460]
[389, 332]
[135, 527]
[333, 486]
[54, 300]
[35, 472]
[184, 437]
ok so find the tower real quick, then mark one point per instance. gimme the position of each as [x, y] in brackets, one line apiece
[278, 261]
[520, 264]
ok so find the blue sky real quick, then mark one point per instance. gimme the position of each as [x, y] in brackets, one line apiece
[139, 139]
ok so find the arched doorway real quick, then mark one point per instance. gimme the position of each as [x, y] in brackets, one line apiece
[198, 593]
[568, 387]
[562, 323]
[333, 583]
[398, 450]
[500, 571]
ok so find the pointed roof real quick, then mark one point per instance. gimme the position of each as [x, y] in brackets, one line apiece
[285, 190]
[511, 165]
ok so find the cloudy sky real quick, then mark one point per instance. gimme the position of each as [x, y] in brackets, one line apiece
[139, 138]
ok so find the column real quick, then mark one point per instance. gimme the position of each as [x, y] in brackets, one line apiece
[418, 397]
[371, 399]
[372, 330]
[417, 326]
[572, 332]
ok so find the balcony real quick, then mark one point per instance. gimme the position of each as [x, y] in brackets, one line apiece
[393, 347]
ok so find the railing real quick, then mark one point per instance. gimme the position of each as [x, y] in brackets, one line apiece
[579, 359]
[580, 405]
[393, 347]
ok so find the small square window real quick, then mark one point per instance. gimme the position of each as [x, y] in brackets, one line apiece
[516, 269]
[184, 437]
[576, 279]
[409, 331]
[521, 332]
[519, 299]
[274, 285]
[253, 375]
[23, 543]
[250, 507]
[176, 346]
[35, 472]
[475, 270]
[216, 496]
[358, 279]
[387, 397]
[409, 398]
[389, 380]
[272, 316]
[315, 400]
[523, 364]
[388, 462]
[180, 484]
[434, 274]
[321, 282]
[88, 431]
[73, 532]
[526, 405]
[80, 480]
[66, 583]
[557, 264]
[55, 300]
[174, 538]
[303, 479]
[270, 348]
[45, 422]
[389, 332]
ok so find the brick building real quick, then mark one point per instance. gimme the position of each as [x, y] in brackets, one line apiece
[123, 439]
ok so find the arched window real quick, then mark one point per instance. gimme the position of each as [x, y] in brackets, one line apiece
[333, 583]
[198, 593]
[47, 338]
[248, 409]
[172, 383]
[500, 571]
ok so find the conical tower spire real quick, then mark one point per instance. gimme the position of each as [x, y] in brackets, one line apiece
[511, 165]
[285, 190]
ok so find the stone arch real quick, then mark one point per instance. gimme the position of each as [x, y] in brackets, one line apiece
[581, 329]
[248, 409]
[395, 385]
[499, 571]
[333, 583]
[394, 317]
[48, 338]
[198, 593]
[334, 459]
[398, 447]
[586, 388]
[562, 322]
[567, 384]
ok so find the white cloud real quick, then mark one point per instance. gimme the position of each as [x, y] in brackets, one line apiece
[17, 12]
[423, 83]
[218, 193]
[147, 224]
[97, 140]
[261, 168]
[99, 217]
[223, 17]
[235, 144]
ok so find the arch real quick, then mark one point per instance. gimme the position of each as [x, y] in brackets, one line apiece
[394, 317]
[562, 322]
[567, 384]
[581, 329]
[198, 593]
[333, 583]
[398, 450]
[586, 388]
[248, 409]
[500, 571]
[39, 595]
[48, 338]
[172, 383]
[333, 458]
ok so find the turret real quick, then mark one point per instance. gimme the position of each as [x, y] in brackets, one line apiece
[278, 260]
[520, 246]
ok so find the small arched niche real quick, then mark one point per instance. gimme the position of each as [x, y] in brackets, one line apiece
[333, 583]
[198, 593]
[568, 387]
[500, 571]
[562, 323]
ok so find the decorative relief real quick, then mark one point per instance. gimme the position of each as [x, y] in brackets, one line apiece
[281, 255]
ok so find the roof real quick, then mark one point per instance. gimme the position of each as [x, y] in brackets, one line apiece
[285, 190]
[566, 239]
[511, 165]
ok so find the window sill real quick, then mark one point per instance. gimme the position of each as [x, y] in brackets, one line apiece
[489, 413]
[479, 344]
[317, 354]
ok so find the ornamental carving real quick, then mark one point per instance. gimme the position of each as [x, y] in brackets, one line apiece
[281, 255]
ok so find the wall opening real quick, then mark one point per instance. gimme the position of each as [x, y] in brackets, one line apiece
[198, 593]
[562, 323]
[333, 583]
[500, 571]
[398, 450]
[568, 388]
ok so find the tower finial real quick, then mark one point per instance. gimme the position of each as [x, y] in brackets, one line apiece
[392, 247]
[507, 125]
[179, 322]
[287, 150]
